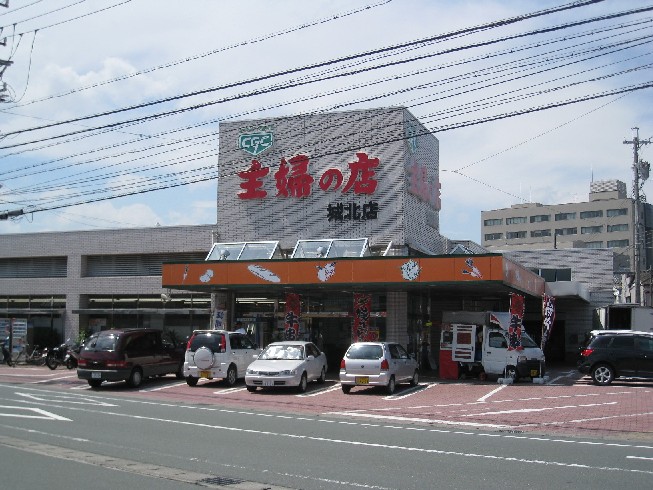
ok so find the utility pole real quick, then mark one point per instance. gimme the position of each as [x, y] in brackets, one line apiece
[640, 170]
[3, 63]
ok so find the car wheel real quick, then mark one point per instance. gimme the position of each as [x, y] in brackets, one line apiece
[322, 377]
[602, 374]
[390, 388]
[303, 384]
[251, 389]
[346, 389]
[191, 380]
[135, 378]
[415, 379]
[95, 383]
[232, 375]
[511, 373]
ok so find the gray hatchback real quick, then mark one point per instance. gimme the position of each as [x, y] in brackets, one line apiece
[377, 364]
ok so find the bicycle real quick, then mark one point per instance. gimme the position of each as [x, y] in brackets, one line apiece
[35, 356]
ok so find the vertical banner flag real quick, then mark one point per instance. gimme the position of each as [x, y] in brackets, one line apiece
[517, 307]
[548, 317]
[291, 318]
[362, 307]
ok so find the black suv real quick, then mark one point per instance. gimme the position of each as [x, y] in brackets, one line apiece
[128, 355]
[610, 354]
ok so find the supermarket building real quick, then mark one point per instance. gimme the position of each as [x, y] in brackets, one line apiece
[322, 217]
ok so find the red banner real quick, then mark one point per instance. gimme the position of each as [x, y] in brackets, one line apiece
[291, 318]
[548, 317]
[517, 308]
[362, 308]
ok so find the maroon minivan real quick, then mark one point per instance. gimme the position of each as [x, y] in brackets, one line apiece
[128, 355]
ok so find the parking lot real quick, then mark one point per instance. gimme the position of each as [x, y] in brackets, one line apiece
[567, 404]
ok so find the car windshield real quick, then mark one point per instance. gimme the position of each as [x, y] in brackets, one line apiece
[283, 352]
[527, 341]
[365, 352]
[102, 343]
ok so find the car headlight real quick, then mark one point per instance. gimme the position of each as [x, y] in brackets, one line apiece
[288, 372]
[251, 372]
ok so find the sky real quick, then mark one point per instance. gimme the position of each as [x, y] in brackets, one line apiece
[111, 108]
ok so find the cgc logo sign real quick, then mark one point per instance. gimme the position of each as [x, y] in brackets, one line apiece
[255, 143]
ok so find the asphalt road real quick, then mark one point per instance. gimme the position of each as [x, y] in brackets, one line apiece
[456, 435]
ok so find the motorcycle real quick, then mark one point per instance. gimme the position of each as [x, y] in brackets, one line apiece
[56, 356]
[72, 354]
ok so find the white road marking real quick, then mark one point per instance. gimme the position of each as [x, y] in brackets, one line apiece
[14, 374]
[409, 392]
[543, 409]
[55, 379]
[592, 419]
[44, 415]
[74, 400]
[228, 391]
[419, 419]
[496, 390]
[639, 457]
[320, 392]
[174, 385]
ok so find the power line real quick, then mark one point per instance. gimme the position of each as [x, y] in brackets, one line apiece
[195, 57]
[469, 30]
[141, 189]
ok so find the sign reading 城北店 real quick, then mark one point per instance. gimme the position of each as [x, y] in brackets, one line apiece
[370, 173]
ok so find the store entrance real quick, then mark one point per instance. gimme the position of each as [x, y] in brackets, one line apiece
[332, 336]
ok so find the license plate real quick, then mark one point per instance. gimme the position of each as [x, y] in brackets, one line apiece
[96, 375]
[268, 382]
[205, 374]
[534, 373]
[362, 380]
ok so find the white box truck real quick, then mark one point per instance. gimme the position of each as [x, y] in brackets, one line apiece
[625, 316]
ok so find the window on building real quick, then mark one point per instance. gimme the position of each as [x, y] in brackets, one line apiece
[540, 233]
[515, 234]
[517, 220]
[617, 243]
[493, 236]
[493, 222]
[591, 214]
[565, 216]
[553, 275]
[598, 244]
[588, 230]
[566, 231]
[622, 227]
[611, 213]
[538, 218]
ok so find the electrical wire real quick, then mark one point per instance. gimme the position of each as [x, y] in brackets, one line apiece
[200, 180]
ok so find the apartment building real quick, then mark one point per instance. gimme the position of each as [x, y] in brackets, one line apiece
[606, 220]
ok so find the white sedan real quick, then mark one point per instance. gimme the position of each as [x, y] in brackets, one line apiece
[289, 363]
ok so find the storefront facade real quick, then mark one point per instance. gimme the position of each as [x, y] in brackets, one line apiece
[306, 183]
